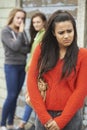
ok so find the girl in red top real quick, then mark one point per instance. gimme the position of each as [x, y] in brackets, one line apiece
[63, 66]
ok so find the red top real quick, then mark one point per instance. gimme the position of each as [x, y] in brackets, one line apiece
[67, 95]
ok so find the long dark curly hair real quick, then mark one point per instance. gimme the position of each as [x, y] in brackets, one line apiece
[50, 49]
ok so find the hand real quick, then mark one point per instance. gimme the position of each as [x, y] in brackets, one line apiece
[52, 125]
[21, 28]
[42, 86]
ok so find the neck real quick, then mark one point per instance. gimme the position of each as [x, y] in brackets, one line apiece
[62, 53]
[14, 28]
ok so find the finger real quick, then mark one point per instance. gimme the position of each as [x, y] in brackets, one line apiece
[52, 126]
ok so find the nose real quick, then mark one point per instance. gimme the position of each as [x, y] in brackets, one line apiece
[66, 35]
[20, 20]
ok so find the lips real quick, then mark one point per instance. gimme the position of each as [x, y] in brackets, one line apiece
[67, 41]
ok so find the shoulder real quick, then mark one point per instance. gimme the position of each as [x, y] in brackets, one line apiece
[82, 55]
[38, 48]
[36, 54]
[82, 52]
[6, 29]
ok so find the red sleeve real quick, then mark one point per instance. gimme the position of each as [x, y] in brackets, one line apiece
[35, 96]
[76, 100]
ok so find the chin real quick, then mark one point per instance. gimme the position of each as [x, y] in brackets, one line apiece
[37, 29]
[17, 27]
[68, 44]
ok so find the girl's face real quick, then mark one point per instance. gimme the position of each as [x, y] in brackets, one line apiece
[38, 23]
[18, 19]
[64, 33]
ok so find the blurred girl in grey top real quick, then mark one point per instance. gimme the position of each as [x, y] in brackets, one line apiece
[16, 47]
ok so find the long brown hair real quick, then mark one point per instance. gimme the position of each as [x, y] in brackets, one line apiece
[32, 30]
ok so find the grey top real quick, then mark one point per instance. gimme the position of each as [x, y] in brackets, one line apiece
[16, 46]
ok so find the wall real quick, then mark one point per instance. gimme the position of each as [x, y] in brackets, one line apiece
[5, 7]
[81, 22]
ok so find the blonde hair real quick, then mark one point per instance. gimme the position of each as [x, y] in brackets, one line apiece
[12, 15]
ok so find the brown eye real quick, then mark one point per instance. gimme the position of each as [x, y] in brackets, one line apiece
[18, 17]
[69, 31]
[61, 32]
[23, 19]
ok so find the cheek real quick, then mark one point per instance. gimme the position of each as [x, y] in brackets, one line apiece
[15, 21]
[34, 25]
[40, 25]
[72, 34]
[59, 39]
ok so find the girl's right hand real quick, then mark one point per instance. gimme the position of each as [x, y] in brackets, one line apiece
[52, 125]
[21, 28]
